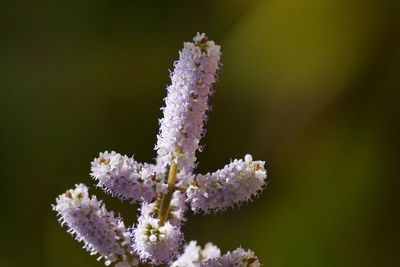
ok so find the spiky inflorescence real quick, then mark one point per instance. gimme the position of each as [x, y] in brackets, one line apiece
[90, 222]
[125, 178]
[156, 243]
[167, 188]
[237, 258]
[187, 103]
[237, 182]
[194, 255]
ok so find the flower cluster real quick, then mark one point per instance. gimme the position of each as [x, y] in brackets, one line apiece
[166, 190]
[194, 255]
[154, 242]
[235, 183]
[100, 230]
[187, 102]
[210, 256]
[125, 178]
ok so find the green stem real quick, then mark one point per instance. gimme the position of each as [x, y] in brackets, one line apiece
[181, 189]
[166, 201]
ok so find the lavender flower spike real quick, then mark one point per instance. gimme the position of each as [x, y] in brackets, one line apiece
[99, 229]
[166, 189]
[125, 178]
[187, 103]
[237, 182]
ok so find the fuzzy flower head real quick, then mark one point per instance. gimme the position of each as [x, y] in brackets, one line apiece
[125, 178]
[154, 243]
[237, 182]
[195, 255]
[89, 221]
[187, 103]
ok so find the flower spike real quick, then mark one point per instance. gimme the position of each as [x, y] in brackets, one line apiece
[187, 103]
[168, 188]
[237, 182]
[125, 178]
[90, 223]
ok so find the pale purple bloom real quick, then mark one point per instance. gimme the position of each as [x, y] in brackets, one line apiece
[194, 255]
[166, 189]
[237, 182]
[187, 103]
[156, 243]
[125, 178]
[209, 251]
[90, 222]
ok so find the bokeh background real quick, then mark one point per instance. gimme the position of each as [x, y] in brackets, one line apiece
[311, 87]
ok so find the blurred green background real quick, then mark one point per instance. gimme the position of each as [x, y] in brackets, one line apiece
[311, 87]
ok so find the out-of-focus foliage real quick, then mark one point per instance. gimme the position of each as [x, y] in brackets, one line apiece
[309, 86]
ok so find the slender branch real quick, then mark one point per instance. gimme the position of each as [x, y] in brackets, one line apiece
[181, 189]
[166, 201]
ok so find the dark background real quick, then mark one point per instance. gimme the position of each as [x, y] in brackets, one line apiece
[311, 87]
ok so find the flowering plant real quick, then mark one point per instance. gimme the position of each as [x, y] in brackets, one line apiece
[167, 188]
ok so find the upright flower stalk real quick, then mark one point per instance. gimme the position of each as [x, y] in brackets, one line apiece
[166, 200]
[166, 189]
[186, 103]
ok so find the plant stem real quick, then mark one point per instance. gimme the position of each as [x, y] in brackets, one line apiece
[166, 201]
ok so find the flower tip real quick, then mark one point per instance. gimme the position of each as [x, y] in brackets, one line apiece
[248, 158]
[200, 38]
[201, 41]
